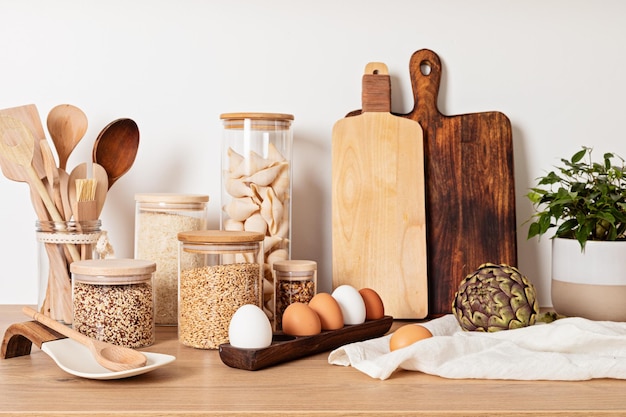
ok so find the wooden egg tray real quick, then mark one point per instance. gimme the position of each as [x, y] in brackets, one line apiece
[286, 348]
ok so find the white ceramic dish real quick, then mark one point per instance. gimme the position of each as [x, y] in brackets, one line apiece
[76, 359]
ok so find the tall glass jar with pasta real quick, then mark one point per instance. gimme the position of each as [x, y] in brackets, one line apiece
[256, 184]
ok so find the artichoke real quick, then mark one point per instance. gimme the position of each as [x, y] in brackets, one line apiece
[493, 298]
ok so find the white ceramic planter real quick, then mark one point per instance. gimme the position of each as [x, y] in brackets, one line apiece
[590, 284]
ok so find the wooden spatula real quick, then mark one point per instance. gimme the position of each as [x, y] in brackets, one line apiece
[29, 116]
[378, 214]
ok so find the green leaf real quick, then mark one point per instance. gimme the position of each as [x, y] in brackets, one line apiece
[535, 195]
[566, 228]
[533, 230]
[578, 156]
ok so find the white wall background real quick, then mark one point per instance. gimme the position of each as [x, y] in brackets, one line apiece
[554, 67]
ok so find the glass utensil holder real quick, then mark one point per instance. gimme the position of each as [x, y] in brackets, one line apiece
[59, 244]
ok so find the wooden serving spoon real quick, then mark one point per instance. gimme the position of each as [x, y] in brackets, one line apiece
[67, 125]
[116, 147]
[114, 358]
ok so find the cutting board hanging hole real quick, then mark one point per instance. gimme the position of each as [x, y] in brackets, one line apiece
[425, 68]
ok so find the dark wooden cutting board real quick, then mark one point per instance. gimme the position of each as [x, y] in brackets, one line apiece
[470, 190]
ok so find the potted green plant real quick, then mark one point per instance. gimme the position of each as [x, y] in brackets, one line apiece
[584, 201]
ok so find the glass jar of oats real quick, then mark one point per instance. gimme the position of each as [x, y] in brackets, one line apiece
[113, 301]
[294, 281]
[256, 182]
[159, 217]
[219, 271]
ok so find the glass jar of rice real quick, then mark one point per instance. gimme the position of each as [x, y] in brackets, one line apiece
[159, 217]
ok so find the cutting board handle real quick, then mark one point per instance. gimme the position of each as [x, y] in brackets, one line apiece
[425, 69]
[376, 91]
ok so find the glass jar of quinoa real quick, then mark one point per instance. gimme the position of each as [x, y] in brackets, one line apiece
[113, 300]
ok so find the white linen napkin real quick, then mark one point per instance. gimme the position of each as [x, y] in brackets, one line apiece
[567, 349]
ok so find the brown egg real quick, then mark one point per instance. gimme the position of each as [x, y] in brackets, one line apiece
[328, 310]
[407, 335]
[374, 308]
[301, 320]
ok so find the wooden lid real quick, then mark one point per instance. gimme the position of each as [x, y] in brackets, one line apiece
[112, 271]
[256, 116]
[219, 236]
[295, 265]
[171, 198]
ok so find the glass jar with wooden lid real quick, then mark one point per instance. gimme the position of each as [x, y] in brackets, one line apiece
[219, 271]
[159, 217]
[256, 182]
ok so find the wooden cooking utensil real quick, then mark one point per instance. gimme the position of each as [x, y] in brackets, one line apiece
[17, 146]
[29, 116]
[67, 125]
[52, 174]
[64, 178]
[116, 147]
[112, 357]
[101, 177]
[21, 154]
[378, 215]
[470, 186]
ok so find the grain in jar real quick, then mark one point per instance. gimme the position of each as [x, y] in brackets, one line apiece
[219, 271]
[159, 217]
[113, 300]
[294, 281]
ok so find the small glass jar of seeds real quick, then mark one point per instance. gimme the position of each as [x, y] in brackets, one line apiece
[219, 271]
[159, 217]
[113, 300]
[294, 281]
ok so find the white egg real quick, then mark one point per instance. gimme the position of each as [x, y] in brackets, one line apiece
[351, 303]
[250, 328]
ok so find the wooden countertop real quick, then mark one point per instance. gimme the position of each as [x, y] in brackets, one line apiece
[199, 384]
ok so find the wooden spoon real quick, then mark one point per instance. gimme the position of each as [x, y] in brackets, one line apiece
[67, 125]
[113, 357]
[116, 147]
[64, 179]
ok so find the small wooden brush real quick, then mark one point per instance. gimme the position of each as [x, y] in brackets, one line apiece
[86, 206]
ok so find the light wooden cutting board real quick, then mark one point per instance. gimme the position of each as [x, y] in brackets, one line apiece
[378, 202]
